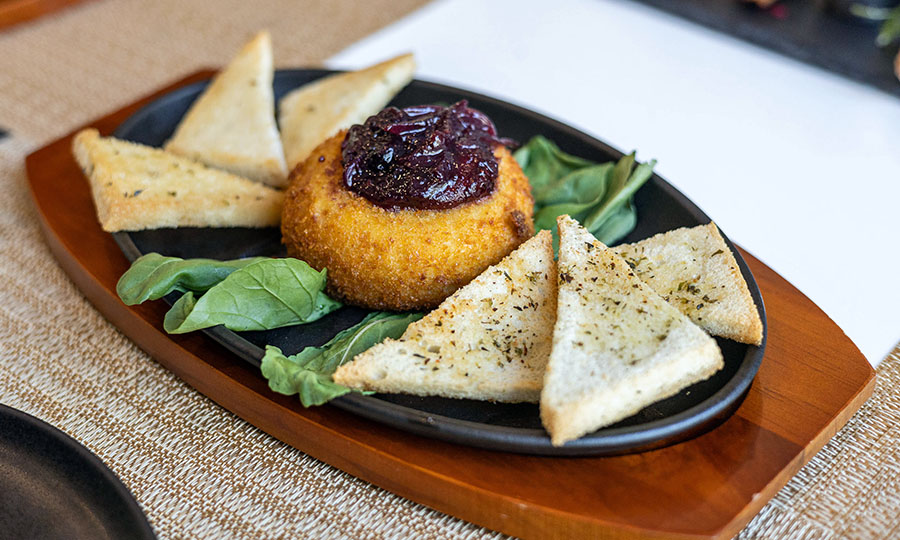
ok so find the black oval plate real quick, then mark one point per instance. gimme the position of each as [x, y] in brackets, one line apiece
[53, 487]
[509, 427]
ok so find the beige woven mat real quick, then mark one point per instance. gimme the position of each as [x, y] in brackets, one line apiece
[196, 469]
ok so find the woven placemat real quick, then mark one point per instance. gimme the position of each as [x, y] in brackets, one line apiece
[64, 70]
[196, 469]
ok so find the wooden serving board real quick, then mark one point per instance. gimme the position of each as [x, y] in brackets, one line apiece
[811, 381]
[13, 12]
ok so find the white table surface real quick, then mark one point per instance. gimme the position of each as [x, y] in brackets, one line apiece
[797, 165]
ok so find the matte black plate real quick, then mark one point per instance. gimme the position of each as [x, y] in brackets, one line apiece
[53, 487]
[507, 427]
[808, 30]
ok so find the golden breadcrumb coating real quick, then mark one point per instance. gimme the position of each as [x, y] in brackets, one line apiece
[399, 259]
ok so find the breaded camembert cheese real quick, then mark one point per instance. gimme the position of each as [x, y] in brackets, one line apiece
[408, 207]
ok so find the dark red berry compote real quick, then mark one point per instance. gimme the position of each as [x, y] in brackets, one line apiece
[425, 157]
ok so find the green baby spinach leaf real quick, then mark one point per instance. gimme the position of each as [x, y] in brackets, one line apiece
[574, 194]
[153, 276]
[544, 163]
[890, 29]
[266, 294]
[620, 196]
[308, 373]
[581, 186]
[616, 224]
[599, 196]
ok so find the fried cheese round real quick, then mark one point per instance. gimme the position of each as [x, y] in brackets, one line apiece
[399, 259]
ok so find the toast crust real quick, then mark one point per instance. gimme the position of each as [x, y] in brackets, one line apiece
[137, 187]
[490, 340]
[695, 271]
[617, 345]
[314, 112]
[232, 126]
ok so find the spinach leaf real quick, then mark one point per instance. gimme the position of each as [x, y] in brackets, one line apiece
[266, 294]
[620, 197]
[617, 224]
[581, 186]
[153, 276]
[597, 195]
[890, 29]
[574, 194]
[308, 373]
[543, 163]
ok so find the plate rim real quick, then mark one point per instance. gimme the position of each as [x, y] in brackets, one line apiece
[607, 441]
[77, 454]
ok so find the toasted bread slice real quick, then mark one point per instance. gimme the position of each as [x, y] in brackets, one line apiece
[490, 340]
[318, 110]
[617, 345]
[139, 187]
[696, 272]
[231, 126]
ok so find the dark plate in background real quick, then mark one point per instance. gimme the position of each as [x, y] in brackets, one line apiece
[808, 30]
[53, 487]
[510, 427]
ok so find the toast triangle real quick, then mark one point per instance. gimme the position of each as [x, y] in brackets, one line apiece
[318, 110]
[139, 187]
[617, 345]
[231, 126]
[694, 270]
[489, 340]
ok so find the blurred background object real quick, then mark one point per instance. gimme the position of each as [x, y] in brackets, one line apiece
[873, 11]
[837, 35]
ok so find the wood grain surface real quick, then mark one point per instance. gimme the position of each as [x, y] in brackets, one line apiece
[13, 12]
[811, 381]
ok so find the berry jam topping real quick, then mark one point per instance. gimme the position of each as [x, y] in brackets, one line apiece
[425, 157]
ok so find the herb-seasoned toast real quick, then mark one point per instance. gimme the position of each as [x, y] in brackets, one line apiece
[231, 126]
[139, 187]
[617, 345]
[490, 340]
[696, 272]
[318, 110]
